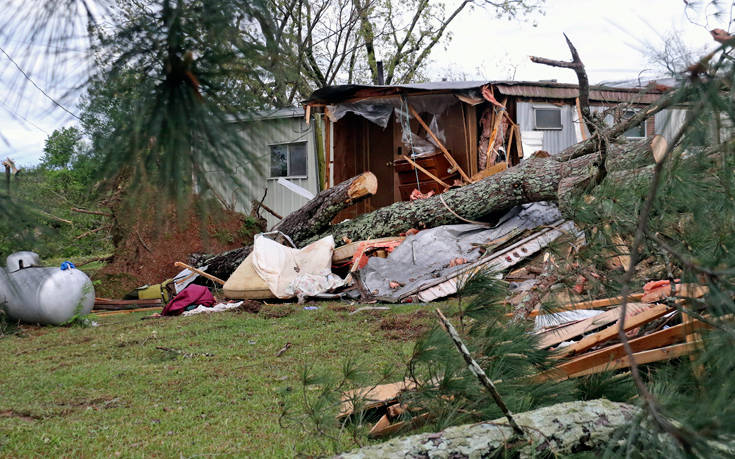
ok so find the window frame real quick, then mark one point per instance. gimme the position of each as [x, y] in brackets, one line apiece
[288, 160]
[643, 124]
[547, 107]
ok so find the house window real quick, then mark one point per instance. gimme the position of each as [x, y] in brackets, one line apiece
[547, 118]
[288, 160]
[636, 131]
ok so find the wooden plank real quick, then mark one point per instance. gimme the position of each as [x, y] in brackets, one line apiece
[487, 172]
[610, 332]
[422, 169]
[641, 358]
[654, 340]
[179, 264]
[587, 325]
[126, 311]
[471, 120]
[449, 157]
[519, 142]
[379, 395]
[498, 117]
[510, 142]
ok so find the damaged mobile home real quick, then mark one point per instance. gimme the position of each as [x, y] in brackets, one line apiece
[461, 131]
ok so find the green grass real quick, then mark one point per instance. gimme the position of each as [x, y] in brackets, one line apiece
[107, 391]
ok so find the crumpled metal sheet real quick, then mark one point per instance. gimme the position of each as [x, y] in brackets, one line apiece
[423, 258]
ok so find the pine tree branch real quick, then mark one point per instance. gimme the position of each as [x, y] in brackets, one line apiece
[664, 424]
[477, 371]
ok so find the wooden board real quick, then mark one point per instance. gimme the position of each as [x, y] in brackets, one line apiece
[611, 332]
[653, 340]
[555, 337]
[492, 170]
[654, 355]
[379, 395]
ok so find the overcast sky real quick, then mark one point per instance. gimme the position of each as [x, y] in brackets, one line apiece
[611, 37]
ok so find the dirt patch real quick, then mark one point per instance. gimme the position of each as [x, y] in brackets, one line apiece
[19, 415]
[405, 327]
[148, 246]
[250, 306]
[276, 312]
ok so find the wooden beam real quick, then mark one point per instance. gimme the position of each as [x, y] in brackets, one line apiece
[179, 264]
[519, 143]
[557, 336]
[594, 339]
[432, 176]
[640, 358]
[653, 340]
[498, 117]
[487, 172]
[449, 157]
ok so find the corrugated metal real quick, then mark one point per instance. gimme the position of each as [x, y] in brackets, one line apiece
[249, 182]
[571, 92]
[554, 141]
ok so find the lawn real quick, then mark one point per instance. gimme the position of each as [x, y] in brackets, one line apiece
[109, 391]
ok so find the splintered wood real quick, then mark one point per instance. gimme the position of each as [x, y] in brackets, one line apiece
[583, 344]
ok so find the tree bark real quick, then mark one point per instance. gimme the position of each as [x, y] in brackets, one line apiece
[318, 213]
[556, 430]
[301, 225]
[533, 180]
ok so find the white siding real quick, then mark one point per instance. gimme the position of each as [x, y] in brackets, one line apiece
[250, 180]
[554, 141]
[668, 122]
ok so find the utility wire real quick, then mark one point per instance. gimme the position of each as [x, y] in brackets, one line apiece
[14, 113]
[38, 87]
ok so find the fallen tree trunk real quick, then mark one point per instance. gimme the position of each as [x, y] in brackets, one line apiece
[318, 213]
[536, 179]
[301, 225]
[555, 430]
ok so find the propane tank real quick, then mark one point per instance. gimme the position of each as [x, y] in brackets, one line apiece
[34, 294]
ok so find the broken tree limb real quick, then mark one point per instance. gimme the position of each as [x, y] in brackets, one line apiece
[301, 225]
[584, 84]
[477, 371]
[556, 430]
[91, 212]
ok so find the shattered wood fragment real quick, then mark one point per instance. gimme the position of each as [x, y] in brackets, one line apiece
[555, 337]
[610, 332]
[574, 367]
[643, 357]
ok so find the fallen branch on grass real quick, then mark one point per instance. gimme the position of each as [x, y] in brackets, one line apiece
[477, 371]
[187, 355]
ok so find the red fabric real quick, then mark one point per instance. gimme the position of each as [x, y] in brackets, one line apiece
[193, 294]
